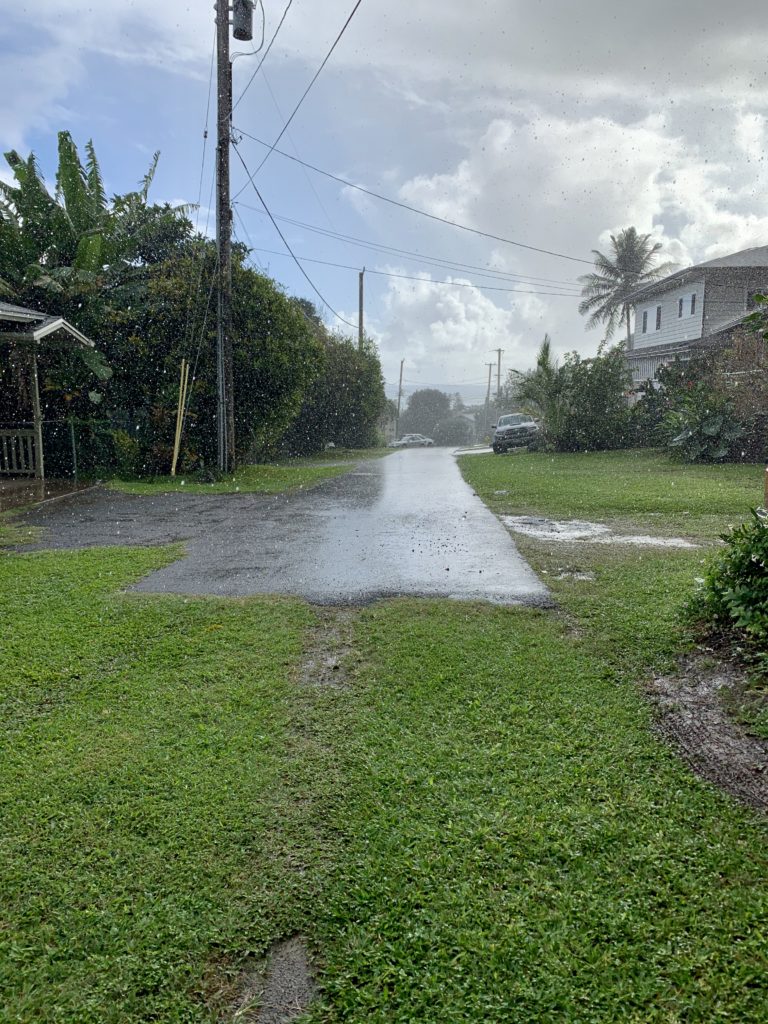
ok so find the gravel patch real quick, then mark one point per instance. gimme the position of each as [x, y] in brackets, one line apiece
[579, 531]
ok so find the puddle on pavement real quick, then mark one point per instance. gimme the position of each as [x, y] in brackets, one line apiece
[578, 531]
[17, 492]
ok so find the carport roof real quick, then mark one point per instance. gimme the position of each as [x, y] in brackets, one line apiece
[32, 325]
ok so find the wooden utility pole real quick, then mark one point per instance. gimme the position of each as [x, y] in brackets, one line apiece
[361, 300]
[488, 397]
[399, 398]
[37, 416]
[498, 375]
[225, 420]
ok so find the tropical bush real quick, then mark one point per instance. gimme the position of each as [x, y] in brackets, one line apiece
[581, 403]
[596, 415]
[733, 600]
[713, 408]
[704, 427]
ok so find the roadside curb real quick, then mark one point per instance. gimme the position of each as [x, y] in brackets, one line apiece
[61, 497]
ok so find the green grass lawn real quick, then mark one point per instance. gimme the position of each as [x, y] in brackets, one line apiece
[519, 845]
[150, 832]
[273, 478]
[12, 533]
[644, 487]
[481, 825]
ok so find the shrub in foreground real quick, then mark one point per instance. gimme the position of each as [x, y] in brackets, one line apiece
[733, 601]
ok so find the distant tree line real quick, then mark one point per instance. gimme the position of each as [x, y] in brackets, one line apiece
[138, 278]
[438, 415]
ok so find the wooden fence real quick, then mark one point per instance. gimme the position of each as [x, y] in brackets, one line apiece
[17, 453]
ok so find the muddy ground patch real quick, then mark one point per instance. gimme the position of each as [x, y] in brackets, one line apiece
[692, 713]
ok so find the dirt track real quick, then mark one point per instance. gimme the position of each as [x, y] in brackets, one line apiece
[692, 716]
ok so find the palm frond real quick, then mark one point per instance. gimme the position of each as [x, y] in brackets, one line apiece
[95, 182]
[148, 178]
[72, 185]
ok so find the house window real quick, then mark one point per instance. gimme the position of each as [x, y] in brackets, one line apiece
[679, 307]
[658, 318]
[645, 321]
[693, 303]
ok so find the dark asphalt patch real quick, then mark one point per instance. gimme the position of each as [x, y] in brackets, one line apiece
[404, 525]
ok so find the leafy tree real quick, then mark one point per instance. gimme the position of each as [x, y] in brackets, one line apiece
[275, 355]
[595, 414]
[455, 430]
[345, 402]
[630, 264]
[134, 277]
[425, 409]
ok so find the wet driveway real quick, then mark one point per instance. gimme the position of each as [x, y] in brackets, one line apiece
[406, 524]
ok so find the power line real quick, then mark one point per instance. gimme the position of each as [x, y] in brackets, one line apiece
[304, 95]
[287, 246]
[205, 132]
[304, 170]
[188, 320]
[248, 243]
[437, 261]
[264, 56]
[405, 206]
[410, 277]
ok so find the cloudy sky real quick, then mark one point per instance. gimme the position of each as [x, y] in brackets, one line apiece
[543, 122]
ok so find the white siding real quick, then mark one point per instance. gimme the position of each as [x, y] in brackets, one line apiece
[674, 328]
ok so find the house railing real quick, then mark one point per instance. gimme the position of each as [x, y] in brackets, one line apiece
[17, 453]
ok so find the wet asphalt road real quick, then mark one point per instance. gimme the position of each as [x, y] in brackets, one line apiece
[406, 524]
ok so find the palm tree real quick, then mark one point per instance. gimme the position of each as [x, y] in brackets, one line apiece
[632, 263]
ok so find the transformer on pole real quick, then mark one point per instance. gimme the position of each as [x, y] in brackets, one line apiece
[242, 19]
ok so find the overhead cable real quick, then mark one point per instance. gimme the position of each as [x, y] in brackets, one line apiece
[287, 246]
[405, 206]
[437, 261]
[410, 277]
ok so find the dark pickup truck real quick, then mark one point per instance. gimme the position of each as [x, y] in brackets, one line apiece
[515, 430]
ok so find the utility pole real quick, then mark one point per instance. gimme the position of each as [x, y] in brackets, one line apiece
[361, 298]
[498, 375]
[223, 237]
[488, 397]
[225, 406]
[399, 398]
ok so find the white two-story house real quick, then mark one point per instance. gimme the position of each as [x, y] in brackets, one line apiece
[694, 309]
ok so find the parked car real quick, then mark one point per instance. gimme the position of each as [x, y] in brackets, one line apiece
[412, 441]
[514, 430]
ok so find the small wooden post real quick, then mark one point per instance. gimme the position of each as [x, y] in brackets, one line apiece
[183, 382]
[73, 443]
[38, 417]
